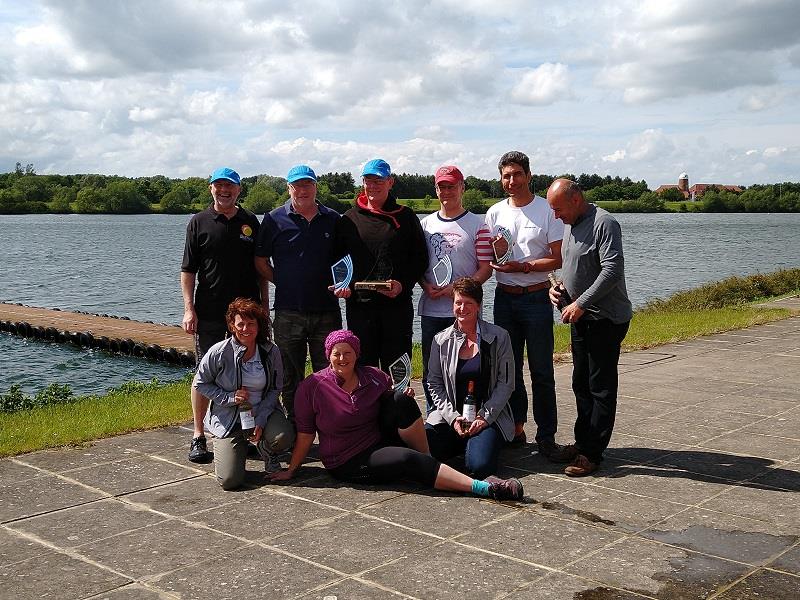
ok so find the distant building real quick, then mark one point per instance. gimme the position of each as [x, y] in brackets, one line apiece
[698, 189]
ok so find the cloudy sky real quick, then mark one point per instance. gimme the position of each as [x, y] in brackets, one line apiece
[177, 87]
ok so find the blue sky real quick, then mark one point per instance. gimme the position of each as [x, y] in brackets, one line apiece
[639, 89]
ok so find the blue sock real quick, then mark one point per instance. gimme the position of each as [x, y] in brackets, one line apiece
[480, 488]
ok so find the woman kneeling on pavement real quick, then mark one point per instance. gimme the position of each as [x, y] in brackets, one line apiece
[471, 350]
[369, 433]
[242, 377]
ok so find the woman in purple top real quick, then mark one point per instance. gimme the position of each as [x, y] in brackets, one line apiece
[368, 433]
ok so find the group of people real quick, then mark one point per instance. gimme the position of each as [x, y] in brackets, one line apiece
[250, 388]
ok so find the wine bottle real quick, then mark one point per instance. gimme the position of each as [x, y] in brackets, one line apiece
[565, 299]
[470, 410]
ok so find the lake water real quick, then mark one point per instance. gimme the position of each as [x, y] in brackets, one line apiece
[129, 266]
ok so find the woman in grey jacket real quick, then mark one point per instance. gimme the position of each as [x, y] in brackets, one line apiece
[471, 350]
[242, 377]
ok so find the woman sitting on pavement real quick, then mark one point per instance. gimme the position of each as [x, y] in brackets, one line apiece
[242, 376]
[470, 350]
[369, 433]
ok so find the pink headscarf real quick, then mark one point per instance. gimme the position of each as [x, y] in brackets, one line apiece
[342, 336]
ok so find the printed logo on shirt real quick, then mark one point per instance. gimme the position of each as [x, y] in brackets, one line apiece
[247, 233]
[443, 244]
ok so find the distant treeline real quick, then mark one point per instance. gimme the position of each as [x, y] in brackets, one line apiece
[23, 191]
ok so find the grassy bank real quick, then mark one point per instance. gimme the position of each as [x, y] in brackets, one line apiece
[713, 308]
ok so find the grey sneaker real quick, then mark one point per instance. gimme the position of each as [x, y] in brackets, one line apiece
[198, 451]
[504, 489]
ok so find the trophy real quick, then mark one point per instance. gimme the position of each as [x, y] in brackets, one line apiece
[378, 276]
[342, 271]
[400, 371]
[443, 271]
[502, 246]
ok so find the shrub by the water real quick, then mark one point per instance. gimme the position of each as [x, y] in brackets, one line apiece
[733, 291]
[15, 399]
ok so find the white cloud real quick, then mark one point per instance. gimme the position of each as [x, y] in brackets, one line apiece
[121, 87]
[543, 85]
[615, 156]
[651, 145]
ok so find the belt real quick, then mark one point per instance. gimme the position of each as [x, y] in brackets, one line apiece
[523, 289]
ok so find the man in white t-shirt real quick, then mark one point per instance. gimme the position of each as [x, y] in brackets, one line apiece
[521, 302]
[461, 235]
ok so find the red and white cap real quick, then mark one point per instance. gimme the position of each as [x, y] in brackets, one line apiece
[448, 173]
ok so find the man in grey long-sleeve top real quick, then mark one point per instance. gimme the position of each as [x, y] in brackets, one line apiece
[598, 312]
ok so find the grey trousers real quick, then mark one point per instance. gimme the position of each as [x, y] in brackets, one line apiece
[230, 453]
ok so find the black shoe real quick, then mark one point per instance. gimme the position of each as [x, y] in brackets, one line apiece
[504, 489]
[519, 440]
[198, 452]
[556, 452]
[563, 454]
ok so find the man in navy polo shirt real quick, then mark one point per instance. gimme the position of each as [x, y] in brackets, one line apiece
[294, 251]
[218, 257]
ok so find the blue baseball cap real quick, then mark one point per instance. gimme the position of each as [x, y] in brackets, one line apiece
[225, 173]
[299, 172]
[377, 167]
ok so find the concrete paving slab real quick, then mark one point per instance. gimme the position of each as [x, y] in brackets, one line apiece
[750, 541]
[56, 575]
[540, 537]
[265, 518]
[558, 586]
[767, 446]
[146, 552]
[776, 507]
[41, 495]
[763, 584]
[353, 589]
[658, 570]
[133, 474]
[86, 523]
[789, 561]
[452, 570]
[249, 572]
[664, 484]
[14, 547]
[696, 499]
[446, 515]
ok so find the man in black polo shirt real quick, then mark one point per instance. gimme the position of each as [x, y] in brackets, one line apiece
[218, 257]
[294, 251]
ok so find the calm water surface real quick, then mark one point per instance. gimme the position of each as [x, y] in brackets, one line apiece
[129, 266]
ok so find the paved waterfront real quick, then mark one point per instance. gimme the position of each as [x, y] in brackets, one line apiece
[698, 499]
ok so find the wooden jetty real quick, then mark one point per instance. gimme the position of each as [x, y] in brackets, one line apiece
[120, 335]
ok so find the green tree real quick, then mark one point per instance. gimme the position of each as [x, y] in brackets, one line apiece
[472, 201]
[672, 195]
[90, 200]
[176, 201]
[63, 197]
[122, 197]
[260, 199]
[427, 201]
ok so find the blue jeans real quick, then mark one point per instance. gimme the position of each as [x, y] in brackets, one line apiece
[480, 451]
[430, 327]
[528, 318]
[294, 332]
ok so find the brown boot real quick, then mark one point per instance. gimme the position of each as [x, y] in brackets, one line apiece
[581, 467]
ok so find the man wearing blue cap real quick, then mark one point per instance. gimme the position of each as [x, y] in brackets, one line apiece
[386, 243]
[295, 252]
[218, 257]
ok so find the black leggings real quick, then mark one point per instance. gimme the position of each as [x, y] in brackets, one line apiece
[389, 460]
